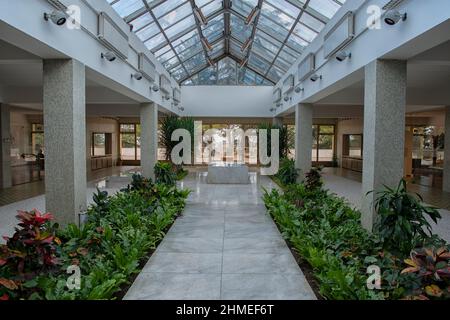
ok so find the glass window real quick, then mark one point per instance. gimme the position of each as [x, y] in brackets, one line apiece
[101, 144]
[130, 146]
[37, 138]
[352, 145]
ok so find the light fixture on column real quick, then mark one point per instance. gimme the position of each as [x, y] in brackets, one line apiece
[109, 55]
[392, 17]
[137, 76]
[57, 17]
[343, 55]
[316, 77]
[200, 16]
[299, 89]
[246, 44]
[252, 15]
[206, 43]
[154, 87]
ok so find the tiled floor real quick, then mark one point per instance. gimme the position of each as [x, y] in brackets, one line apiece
[225, 246]
[350, 188]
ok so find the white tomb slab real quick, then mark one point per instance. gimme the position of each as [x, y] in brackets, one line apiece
[227, 173]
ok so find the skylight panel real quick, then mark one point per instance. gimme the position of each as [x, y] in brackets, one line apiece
[126, 7]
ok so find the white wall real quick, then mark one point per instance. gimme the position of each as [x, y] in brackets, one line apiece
[226, 101]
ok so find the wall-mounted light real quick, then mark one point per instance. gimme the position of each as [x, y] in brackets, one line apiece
[252, 15]
[299, 89]
[286, 98]
[392, 17]
[154, 87]
[206, 43]
[272, 109]
[137, 76]
[343, 55]
[57, 17]
[167, 97]
[181, 109]
[109, 55]
[200, 16]
[316, 77]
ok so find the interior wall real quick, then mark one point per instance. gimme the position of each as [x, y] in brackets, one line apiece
[227, 101]
[102, 125]
[347, 126]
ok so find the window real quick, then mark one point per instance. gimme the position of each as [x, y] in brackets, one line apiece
[130, 142]
[323, 143]
[101, 144]
[352, 145]
[37, 137]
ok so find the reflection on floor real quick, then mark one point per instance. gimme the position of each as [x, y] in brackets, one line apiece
[431, 195]
[36, 188]
[225, 246]
[346, 184]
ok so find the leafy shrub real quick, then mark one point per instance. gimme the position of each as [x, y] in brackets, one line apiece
[401, 220]
[431, 267]
[165, 174]
[287, 174]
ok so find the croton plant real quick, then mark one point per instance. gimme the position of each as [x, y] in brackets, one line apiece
[32, 250]
[432, 267]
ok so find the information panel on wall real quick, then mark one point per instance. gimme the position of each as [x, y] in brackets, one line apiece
[340, 35]
[110, 34]
[306, 67]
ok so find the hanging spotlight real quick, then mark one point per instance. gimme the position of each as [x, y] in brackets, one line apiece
[343, 55]
[246, 44]
[252, 15]
[200, 16]
[57, 17]
[299, 89]
[206, 43]
[315, 77]
[392, 17]
[137, 76]
[109, 55]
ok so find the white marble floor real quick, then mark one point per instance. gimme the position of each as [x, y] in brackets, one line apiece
[225, 246]
[352, 191]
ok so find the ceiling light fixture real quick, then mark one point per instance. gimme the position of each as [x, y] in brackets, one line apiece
[315, 77]
[57, 17]
[137, 76]
[252, 15]
[343, 55]
[299, 89]
[392, 17]
[109, 55]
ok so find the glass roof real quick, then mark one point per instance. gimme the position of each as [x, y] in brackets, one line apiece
[247, 42]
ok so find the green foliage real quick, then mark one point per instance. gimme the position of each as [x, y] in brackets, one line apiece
[285, 138]
[313, 179]
[401, 220]
[168, 126]
[287, 174]
[108, 249]
[165, 174]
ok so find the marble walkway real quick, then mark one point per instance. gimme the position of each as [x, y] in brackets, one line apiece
[225, 246]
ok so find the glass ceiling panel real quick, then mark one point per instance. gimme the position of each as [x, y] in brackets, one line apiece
[276, 37]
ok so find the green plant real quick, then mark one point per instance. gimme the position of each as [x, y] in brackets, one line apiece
[313, 179]
[285, 138]
[168, 126]
[431, 268]
[164, 174]
[287, 174]
[401, 219]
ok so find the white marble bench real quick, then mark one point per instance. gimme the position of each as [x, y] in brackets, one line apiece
[223, 173]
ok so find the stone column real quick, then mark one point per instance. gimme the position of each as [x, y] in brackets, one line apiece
[303, 138]
[384, 131]
[149, 139]
[446, 180]
[65, 139]
[5, 140]
[277, 121]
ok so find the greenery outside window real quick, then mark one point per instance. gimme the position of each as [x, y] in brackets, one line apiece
[101, 144]
[37, 137]
[130, 141]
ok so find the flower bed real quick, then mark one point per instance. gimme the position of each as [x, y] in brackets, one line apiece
[327, 233]
[42, 261]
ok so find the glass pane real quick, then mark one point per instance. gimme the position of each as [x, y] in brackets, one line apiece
[174, 16]
[328, 8]
[156, 41]
[304, 32]
[239, 29]
[141, 21]
[258, 63]
[166, 7]
[326, 129]
[126, 7]
[180, 26]
[312, 22]
[326, 147]
[127, 128]
[214, 29]
[99, 144]
[244, 7]
[148, 32]
[195, 62]
[127, 146]
[281, 19]
[210, 8]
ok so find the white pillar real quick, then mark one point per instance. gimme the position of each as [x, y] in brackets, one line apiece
[5, 140]
[303, 138]
[65, 139]
[149, 139]
[446, 180]
[384, 131]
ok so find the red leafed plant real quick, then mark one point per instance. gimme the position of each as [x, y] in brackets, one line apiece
[33, 248]
[432, 268]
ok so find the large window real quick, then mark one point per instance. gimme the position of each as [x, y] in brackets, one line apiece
[37, 137]
[101, 144]
[323, 143]
[352, 145]
[130, 142]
